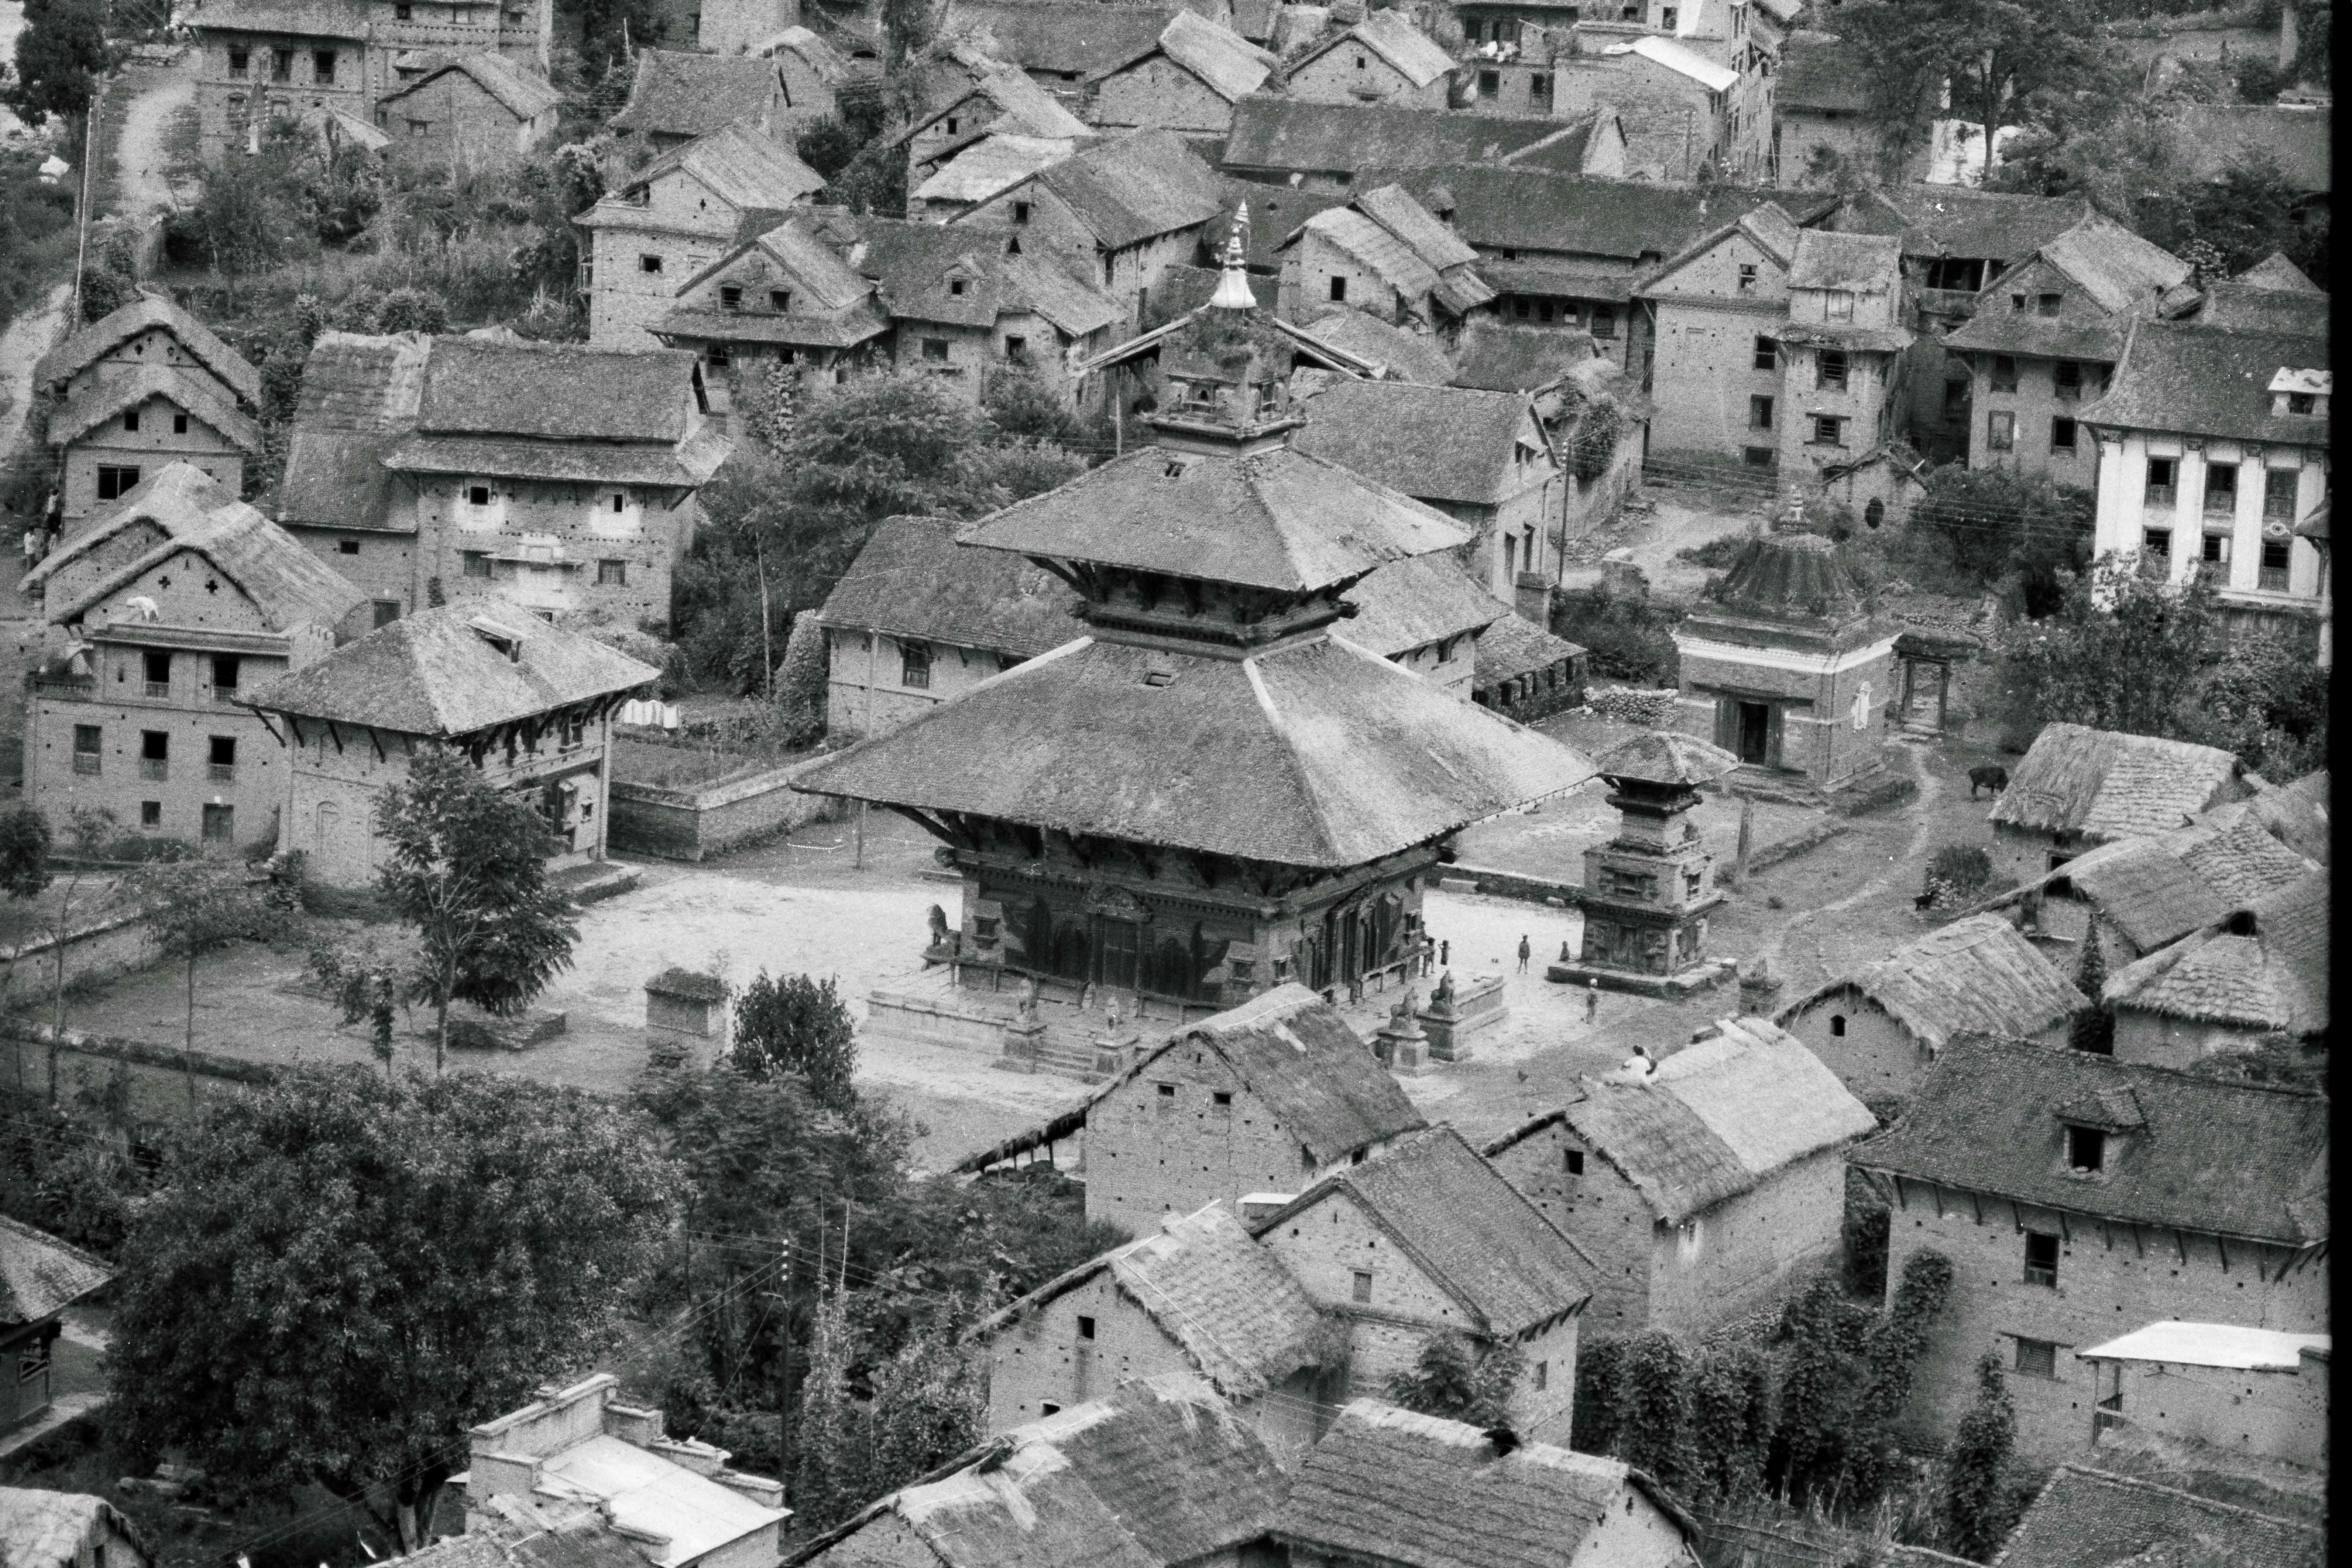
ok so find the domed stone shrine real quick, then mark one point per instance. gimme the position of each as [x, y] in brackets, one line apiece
[1787, 668]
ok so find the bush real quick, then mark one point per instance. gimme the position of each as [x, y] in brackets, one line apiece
[1958, 874]
[410, 310]
[1650, 709]
[1719, 551]
[105, 292]
[1629, 640]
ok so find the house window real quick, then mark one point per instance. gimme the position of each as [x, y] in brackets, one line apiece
[1837, 1025]
[2279, 486]
[2000, 430]
[347, 547]
[1748, 278]
[721, 354]
[2157, 542]
[1540, 88]
[1604, 320]
[238, 59]
[386, 612]
[159, 674]
[478, 495]
[1828, 430]
[403, 13]
[151, 814]
[1573, 1161]
[322, 65]
[1522, 308]
[649, 263]
[2217, 549]
[1833, 369]
[2276, 562]
[2068, 378]
[1768, 354]
[731, 298]
[474, 562]
[88, 739]
[611, 574]
[2041, 1259]
[1948, 273]
[1020, 212]
[955, 287]
[1359, 62]
[1047, 1407]
[2046, 304]
[2300, 402]
[226, 668]
[1361, 1285]
[1086, 1328]
[220, 762]
[425, 128]
[2086, 1149]
[1543, 1376]
[1759, 414]
[1167, 1096]
[33, 1365]
[1839, 303]
[179, 424]
[936, 350]
[2037, 1358]
[131, 419]
[282, 65]
[1759, 456]
[1489, 83]
[2220, 489]
[2163, 473]
[1339, 288]
[915, 667]
[2061, 435]
[2017, 302]
[154, 754]
[1016, 351]
[2004, 373]
[113, 483]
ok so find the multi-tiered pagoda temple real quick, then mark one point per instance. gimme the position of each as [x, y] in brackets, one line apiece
[1211, 791]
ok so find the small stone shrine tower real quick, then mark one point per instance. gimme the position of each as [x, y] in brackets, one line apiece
[1647, 891]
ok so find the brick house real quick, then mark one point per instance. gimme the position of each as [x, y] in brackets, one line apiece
[579, 1445]
[1063, 44]
[1388, 1487]
[2043, 340]
[1383, 58]
[1842, 352]
[2085, 1517]
[2212, 451]
[476, 112]
[145, 385]
[998, 102]
[810, 70]
[1135, 206]
[1700, 1192]
[985, 168]
[2077, 1196]
[2077, 787]
[1197, 1296]
[1383, 254]
[1880, 1027]
[1158, 1473]
[140, 714]
[1187, 80]
[40, 1277]
[1789, 668]
[529, 704]
[1320, 147]
[280, 59]
[2254, 1391]
[675, 218]
[2258, 973]
[1265, 1098]
[1823, 121]
[785, 298]
[678, 96]
[70, 1529]
[1481, 457]
[732, 27]
[1427, 1237]
[1680, 109]
[558, 477]
[1716, 312]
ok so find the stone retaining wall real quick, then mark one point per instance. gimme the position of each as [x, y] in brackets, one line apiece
[697, 822]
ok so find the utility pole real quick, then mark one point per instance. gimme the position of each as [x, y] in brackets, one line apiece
[784, 1370]
[90, 118]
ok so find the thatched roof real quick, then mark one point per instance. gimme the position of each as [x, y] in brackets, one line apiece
[123, 386]
[2238, 1160]
[1389, 1485]
[2263, 968]
[2105, 785]
[358, 401]
[125, 322]
[1976, 975]
[2089, 1519]
[2157, 890]
[1715, 1120]
[52, 1530]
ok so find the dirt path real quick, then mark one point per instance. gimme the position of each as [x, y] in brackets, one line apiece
[141, 158]
[1924, 824]
[28, 337]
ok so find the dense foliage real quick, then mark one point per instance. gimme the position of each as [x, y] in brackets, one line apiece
[800, 1026]
[1461, 1380]
[61, 55]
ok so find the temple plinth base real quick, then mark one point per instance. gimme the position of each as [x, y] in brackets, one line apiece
[1682, 983]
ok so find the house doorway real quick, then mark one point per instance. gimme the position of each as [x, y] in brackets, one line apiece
[1118, 952]
[1755, 732]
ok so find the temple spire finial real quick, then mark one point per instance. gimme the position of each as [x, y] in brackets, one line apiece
[1233, 290]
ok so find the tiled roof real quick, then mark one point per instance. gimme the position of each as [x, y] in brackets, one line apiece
[1413, 604]
[1717, 1118]
[1137, 187]
[1394, 209]
[1976, 975]
[1390, 259]
[523, 95]
[1405, 356]
[1240, 1317]
[51, 1530]
[1229, 65]
[120, 386]
[739, 166]
[1392, 37]
[1281, 519]
[1160, 1473]
[1957, 221]
[2106, 784]
[1287, 133]
[821, 57]
[912, 580]
[1791, 576]
[1324, 1085]
[2203, 380]
[681, 94]
[1499, 357]
[1514, 646]
[324, 18]
[1392, 1487]
[1822, 70]
[1331, 756]
[436, 673]
[1997, 329]
[2212, 139]
[2117, 268]
[562, 391]
[358, 400]
[818, 274]
[2273, 977]
[991, 166]
[684, 466]
[2089, 1519]
[2249, 308]
[288, 584]
[1825, 259]
[2276, 273]
[41, 1276]
[2231, 1159]
[912, 265]
[1470, 1230]
[1024, 107]
[1074, 40]
[1446, 443]
[124, 322]
[1581, 215]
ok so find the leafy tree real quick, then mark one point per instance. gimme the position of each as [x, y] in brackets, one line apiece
[2093, 1028]
[87, 831]
[196, 907]
[1899, 1338]
[24, 876]
[2122, 653]
[1730, 1423]
[340, 1275]
[60, 57]
[466, 864]
[364, 984]
[105, 292]
[1991, 527]
[797, 1025]
[2265, 699]
[1653, 1411]
[1977, 1504]
[1996, 55]
[1460, 1381]
[1824, 1372]
[1019, 403]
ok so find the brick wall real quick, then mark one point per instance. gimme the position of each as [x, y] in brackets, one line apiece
[644, 539]
[1874, 1056]
[1599, 1210]
[2110, 1281]
[696, 824]
[1813, 710]
[226, 102]
[1351, 73]
[2270, 1414]
[684, 233]
[1671, 130]
[1149, 1154]
[451, 123]
[1866, 405]
[866, 687]
[1705, 376]
[148, 449]
[1158, 93]
[380, 564]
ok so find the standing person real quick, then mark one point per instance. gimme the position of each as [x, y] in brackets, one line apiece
[1524, 952]
[1593, 1000]
[32, 545]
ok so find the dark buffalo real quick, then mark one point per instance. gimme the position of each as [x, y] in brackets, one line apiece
[1992, 776]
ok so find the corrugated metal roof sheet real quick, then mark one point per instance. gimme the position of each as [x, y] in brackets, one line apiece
[2233, 1345]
